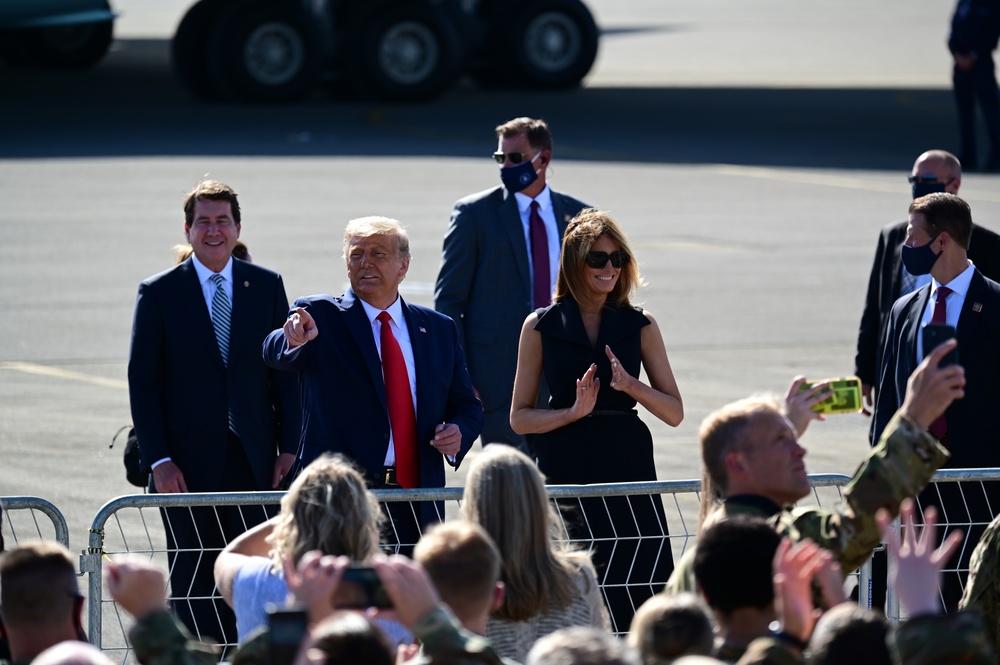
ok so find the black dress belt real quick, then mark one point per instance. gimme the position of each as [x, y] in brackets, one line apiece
[612, 412]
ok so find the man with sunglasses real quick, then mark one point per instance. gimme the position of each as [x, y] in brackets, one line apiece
[499, 263]
[934, 171]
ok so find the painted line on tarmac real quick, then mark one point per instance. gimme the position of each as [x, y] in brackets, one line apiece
[56, 373]
[829, 180]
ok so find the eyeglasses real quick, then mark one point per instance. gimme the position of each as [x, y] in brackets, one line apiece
[926, 178]
[618, 259]
[514, 157]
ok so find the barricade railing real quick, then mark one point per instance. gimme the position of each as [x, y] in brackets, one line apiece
[968, 515]
[15, 529]
[132, 524]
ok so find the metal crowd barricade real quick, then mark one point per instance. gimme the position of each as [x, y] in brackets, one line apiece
[16, 529]
[132, 524]
[968, 480]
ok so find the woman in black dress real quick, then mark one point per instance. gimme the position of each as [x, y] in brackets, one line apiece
[589, 346]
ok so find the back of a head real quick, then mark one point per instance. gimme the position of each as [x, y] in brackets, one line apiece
[667, 627]
[733, 564]
[945, 212]
[851, 634]
[38, 586]
[505, 494]
[580, 645]
[328, 508]
[72, 653]
[348, 638]
[464, 564]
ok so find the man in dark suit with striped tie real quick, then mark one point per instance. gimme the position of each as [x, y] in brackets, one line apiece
[210, 416]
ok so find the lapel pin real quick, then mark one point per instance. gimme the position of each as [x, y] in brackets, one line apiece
[422, 329]
[977, 307]
[245, 284]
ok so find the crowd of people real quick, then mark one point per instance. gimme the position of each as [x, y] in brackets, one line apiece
[534, 345]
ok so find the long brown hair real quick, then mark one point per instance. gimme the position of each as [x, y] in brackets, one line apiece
[505, 494]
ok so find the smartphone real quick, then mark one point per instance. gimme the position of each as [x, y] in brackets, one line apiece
[288, 627]
[935, 335]
[845, 397]
[361, 588]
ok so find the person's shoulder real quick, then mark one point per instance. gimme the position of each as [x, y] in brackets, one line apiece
[485, 197]
[433, 316]
[171, 274]
[904, 303]
[569, 201]
[254, 269]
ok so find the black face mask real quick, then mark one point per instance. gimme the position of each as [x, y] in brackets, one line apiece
[925, 188]
[919, 260]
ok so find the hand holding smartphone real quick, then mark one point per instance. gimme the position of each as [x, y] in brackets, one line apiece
[934, 335]
[845, 395]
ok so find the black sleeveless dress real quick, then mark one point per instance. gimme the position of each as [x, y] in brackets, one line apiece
[629, 534]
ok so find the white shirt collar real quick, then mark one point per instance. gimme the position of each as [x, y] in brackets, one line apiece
[204, 274]
[395, 311]
[960, 284]
[544, 199]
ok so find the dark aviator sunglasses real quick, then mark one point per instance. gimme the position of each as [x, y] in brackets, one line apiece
[514, 157]
[618, 259]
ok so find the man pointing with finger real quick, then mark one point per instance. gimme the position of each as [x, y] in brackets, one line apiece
[383, 381]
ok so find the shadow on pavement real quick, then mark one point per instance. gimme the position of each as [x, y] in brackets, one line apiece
[131, 105]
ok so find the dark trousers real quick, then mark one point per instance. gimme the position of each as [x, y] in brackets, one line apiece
[195, 536]
[978, 83]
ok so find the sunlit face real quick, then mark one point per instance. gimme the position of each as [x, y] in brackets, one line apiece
[917, 231]
[602, 280]
[213, 233]
[773, 461]
[375, 269]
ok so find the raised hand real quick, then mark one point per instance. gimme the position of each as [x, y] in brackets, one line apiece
[586, 393]
[931, 389]
[300, 328]
[799, 404]
[620, 379]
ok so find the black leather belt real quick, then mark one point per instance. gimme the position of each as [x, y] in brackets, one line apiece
[389, 477]
[612, 412]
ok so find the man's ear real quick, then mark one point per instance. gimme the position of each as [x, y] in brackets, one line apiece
[499, 592]
[734, 463]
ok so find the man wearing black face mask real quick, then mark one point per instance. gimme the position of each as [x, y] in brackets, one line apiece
[499, 263]
[937, 241]
[934, 171]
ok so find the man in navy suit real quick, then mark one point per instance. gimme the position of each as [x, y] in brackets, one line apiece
[499, 264]
[937, 241]
[342, 347]
[210, 416]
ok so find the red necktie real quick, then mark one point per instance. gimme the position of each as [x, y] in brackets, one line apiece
[402, 419]
[940, 316]
[542, 287]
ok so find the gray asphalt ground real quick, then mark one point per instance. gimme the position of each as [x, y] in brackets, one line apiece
[751, 150]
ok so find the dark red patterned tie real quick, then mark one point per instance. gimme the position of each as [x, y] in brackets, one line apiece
[940, 316]
[402, 419]
[542, 287]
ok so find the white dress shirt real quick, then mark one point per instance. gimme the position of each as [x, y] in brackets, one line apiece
[402, 335]
[959, 288]
[551, 231]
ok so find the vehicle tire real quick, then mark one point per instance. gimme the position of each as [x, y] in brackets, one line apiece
[265, 51]
[404, 51]
[543, 43]
[76, 46]
[189, 48]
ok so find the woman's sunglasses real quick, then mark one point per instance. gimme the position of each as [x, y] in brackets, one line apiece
[618, 259]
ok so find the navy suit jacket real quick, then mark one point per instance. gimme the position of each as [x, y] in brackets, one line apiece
[972, 437]
[884, 284]
[343, 393]
[484, 284]
[180, 390]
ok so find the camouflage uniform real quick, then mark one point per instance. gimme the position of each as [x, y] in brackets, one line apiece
[924, 640]
[160, 640]
[982, 591]
[898, 467]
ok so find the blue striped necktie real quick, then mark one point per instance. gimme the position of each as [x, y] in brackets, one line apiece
[222, 314]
